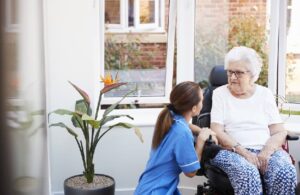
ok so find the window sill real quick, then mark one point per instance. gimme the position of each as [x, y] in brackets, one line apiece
[144, 37]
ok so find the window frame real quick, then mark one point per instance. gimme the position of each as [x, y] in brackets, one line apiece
[137, 13]
[277, 49]
[156, 27]
[169, 60]
[282, 48]
[122, 18]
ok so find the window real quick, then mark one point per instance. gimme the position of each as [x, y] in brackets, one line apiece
[134, 15]
[289, 54]
[242, 23]
[146, 65]
[270, 27]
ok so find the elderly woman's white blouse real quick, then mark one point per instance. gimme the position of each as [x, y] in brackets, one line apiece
[246, 120]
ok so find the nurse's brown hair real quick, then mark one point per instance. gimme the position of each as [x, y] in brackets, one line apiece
[183, 97]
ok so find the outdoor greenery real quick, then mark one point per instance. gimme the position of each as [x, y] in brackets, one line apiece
[247, 31]
[290, 112]
[209, 51]
[126, 54]
[93, 128]
[212, 45]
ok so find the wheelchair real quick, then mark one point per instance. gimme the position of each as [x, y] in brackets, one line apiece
[217, 180]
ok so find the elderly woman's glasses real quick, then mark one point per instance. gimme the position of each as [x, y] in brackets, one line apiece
[237, 74]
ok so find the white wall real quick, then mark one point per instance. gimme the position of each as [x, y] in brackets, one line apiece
[71, 42]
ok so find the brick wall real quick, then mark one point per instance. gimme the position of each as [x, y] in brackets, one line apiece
[112, 15]
[156, 53]
[209, 12]
[255, 8]
[153, 53]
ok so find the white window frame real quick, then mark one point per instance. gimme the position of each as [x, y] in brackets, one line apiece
[278, 43]
[9, 26]
[157, 26]
[123, 14]
[137, 13]
[273, 45]
[169, 60]
[185, 40]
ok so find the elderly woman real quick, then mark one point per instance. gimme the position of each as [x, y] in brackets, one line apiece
[246, 120]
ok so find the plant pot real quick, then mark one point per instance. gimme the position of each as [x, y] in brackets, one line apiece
[102, 185]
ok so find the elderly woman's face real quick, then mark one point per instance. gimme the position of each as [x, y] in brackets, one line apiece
[239, 77]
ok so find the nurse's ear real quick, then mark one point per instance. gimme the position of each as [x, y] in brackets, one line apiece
[195, 110]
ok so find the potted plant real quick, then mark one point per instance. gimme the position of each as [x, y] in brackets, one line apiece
[92, 128]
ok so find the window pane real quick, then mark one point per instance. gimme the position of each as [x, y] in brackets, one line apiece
[293, 53]
[138, 59]
[242, 23]
[112, 11]
[147, 11]
[131, 13]
[141, 64]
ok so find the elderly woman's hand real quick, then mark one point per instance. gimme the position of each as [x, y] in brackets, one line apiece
[264, 157]
[249, 156]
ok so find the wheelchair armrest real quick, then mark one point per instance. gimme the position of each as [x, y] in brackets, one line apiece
[203, 115]
[202, 120]
[292, 137]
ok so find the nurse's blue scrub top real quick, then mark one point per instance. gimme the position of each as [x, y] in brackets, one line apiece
[174, 155]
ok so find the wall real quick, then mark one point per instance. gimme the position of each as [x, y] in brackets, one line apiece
[72, 53]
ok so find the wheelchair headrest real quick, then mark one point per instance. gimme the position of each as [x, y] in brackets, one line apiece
[218, 76]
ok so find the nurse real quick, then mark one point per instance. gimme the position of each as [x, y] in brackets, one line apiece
[173, 146]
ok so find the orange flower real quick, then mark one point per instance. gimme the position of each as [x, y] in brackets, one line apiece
[108, 79]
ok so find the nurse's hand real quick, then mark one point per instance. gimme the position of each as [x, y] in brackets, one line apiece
[202, 137]
[195, 129]
[205, 133]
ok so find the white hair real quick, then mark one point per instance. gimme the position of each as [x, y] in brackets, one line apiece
[248, 55]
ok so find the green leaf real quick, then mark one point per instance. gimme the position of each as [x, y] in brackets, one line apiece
[82, 107]
[61, 112]
[82, 93]
[106, 119]
[129, 126]
[86, 117]
[91, 121]
[76, 120]
[113, 106]
[64, 126]
[138, 132]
